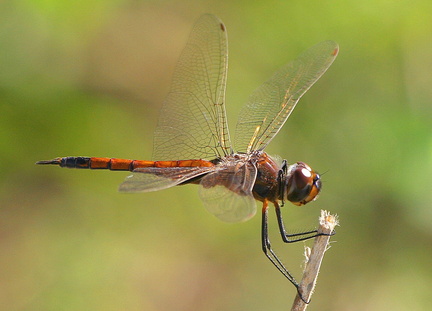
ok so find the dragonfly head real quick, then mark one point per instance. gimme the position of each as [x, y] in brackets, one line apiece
[302, 184]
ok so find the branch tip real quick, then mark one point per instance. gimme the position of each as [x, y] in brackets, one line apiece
[313, 259]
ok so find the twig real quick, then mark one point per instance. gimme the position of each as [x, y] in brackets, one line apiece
[313, 261]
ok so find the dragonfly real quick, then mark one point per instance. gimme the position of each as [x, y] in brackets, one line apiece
[192, 144]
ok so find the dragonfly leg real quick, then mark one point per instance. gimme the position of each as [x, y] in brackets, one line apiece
[287, 238]
[268, 251]
[294, 237]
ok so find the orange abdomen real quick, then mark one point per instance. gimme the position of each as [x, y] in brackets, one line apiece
[114, 164]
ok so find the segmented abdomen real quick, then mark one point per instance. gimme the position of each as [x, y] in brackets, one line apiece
[115, 164]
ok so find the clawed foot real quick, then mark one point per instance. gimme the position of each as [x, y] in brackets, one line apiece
[301, 296]
[328, 234]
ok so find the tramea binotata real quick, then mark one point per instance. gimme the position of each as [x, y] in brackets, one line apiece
[192, 144]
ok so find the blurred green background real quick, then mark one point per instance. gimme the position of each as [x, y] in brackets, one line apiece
[89, 77]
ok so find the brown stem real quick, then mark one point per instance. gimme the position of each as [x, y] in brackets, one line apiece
[313, 261]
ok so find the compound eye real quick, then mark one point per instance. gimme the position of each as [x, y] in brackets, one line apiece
[303, 184]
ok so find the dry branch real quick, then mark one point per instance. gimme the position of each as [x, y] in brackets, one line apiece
[313, 261]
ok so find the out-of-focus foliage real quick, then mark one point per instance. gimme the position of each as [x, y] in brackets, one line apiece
[88, 78]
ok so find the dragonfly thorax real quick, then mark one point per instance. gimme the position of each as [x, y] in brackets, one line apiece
[301, 184]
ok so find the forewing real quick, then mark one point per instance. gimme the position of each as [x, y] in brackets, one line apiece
[271, 104]
[154, 178]
[227, 193]
[192, 122]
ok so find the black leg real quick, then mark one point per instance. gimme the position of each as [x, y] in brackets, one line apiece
[266, 247]
[287, 238]
[294, 237]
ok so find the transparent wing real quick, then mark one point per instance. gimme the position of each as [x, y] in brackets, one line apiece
[192, 122]
[271, 104]
[227, 193]
[154, 178]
